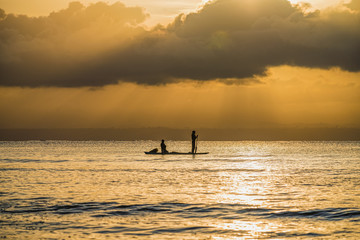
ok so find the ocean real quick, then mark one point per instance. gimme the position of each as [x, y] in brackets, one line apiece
[240, 190]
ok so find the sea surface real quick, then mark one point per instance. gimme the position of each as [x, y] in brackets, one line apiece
[241, 190]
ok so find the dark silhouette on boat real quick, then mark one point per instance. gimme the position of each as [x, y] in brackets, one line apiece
[194, 139]
[163, 147]
[194, 142]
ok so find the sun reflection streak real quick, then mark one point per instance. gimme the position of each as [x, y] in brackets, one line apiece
[248, 229]
[245, 186]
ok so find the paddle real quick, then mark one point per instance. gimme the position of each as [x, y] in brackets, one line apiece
[196, 142]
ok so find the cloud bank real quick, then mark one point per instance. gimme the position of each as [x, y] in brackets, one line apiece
[103, 44]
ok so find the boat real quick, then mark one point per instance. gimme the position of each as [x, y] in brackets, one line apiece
[175, 153]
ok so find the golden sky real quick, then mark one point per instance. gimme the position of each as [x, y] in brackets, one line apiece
[215, 64]
[161, 11]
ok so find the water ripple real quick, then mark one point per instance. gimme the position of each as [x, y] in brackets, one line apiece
[7, 160]
[224, 211]
[331, 214]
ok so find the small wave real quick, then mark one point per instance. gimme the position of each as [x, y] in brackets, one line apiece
[162, 230]
[222, 211]
[4, 194]
[331, 214]
[18, 169]
[296, 235]
[179, 230]
[7, 160]
[229, 170]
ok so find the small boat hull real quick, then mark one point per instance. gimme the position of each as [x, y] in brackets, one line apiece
[176, 153]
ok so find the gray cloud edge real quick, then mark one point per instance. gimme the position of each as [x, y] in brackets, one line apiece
[218, 42]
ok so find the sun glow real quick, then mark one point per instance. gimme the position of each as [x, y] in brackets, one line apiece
[205, 1]
[209, 69]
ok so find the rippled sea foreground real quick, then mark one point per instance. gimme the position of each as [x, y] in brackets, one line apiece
[241, 190]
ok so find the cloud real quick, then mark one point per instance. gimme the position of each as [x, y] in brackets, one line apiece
[354, 4]
[41, 51]
[227, 39]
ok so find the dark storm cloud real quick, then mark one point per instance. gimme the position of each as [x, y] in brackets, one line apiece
[226, 39]
[42, 51]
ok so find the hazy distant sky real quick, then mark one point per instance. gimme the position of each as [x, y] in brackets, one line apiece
[160, 10]
[224, 63]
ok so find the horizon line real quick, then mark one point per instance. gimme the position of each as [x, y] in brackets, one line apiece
[158, 133]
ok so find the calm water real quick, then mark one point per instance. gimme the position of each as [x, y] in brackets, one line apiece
[241, 190]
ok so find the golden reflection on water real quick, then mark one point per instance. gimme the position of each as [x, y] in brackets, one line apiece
[242, 190]
[237, 193]
[235, 190]
[252, 230]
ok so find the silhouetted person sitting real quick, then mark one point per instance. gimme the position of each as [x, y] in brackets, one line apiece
[163, 147]
[155, 150]
[193, 141]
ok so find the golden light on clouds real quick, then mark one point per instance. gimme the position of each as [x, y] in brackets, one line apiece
[226, 64]
[288, 97]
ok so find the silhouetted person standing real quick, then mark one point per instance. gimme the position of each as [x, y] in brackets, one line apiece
[193, 141]
[163, 147]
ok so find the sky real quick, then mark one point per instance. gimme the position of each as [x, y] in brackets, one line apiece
[161, 11]
[179, 64]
